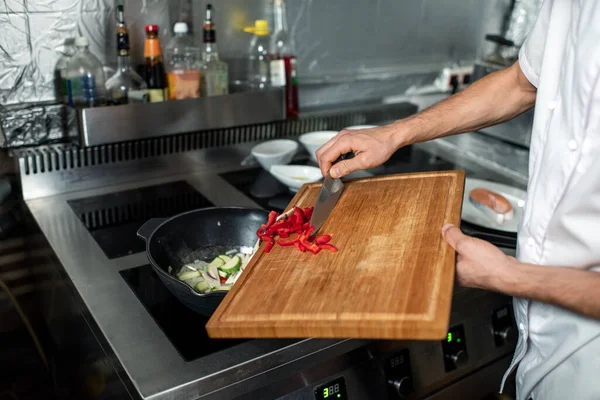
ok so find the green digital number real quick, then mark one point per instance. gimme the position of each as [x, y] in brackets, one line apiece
[325, 393]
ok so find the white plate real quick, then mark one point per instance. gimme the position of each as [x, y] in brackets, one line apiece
[475, 216]
[294, 176]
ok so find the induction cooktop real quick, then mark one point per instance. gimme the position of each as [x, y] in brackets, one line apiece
[113, 219]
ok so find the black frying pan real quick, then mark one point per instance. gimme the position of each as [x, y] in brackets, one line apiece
[198, 235]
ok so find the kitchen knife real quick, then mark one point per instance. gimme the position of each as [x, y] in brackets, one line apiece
[328, 196]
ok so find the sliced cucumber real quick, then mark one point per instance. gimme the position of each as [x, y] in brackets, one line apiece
[202, 287]
[232, 266]
[223, 274]
[221, 287]
[194, 281]
[217, 262]
[184, 276]
[225, 258]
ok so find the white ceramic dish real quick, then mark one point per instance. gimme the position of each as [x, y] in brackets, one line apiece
[275, 152]
[294, 176]
[475, 216]
[312, 141]
[356, 127]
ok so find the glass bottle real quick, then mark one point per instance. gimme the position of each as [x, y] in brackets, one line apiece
[125, 86]
[283, 59]
[183, 64]
[258, 56]
[215, 73]
[154, 70]
[85, 78]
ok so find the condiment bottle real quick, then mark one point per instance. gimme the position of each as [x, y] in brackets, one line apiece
[183, 64]
[283, 59]
[258, 56]
[154, 70]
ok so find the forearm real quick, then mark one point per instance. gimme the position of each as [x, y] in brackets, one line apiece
[574, 289]
[496, 98]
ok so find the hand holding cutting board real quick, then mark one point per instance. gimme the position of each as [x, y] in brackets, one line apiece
[479, 264]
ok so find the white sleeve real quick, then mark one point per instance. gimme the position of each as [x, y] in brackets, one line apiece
[531, 53]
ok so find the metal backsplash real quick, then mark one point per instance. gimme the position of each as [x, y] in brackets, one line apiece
[374, 49]
[335, 43]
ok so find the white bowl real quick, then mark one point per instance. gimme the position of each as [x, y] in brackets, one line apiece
[274, 152]
[355, 127]
[312, 141]
[294, 176]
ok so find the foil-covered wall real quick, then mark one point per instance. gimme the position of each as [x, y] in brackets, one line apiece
[346, 53]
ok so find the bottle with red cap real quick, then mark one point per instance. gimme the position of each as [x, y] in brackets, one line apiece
[154, 69]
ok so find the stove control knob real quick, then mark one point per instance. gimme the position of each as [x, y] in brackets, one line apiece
[459, 359]
[403, 386]
[507, 334]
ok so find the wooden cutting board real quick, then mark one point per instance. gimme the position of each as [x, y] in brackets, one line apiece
[392, 278]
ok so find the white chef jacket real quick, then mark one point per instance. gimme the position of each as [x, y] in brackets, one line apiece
[558, 352]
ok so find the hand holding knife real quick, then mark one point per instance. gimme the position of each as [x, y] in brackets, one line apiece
[329, 195]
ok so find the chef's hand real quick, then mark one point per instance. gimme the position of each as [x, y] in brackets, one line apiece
[479, 264]
[371, 147]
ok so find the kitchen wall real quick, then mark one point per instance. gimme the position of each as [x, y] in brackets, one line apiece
[348, 50]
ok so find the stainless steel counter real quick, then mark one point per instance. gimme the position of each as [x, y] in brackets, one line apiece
[151, 362]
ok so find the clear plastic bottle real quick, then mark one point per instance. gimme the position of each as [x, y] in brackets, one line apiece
[85, 78]
[258, 56]
[183, 64]
[125, 86]
[215, 72]
[60, 70]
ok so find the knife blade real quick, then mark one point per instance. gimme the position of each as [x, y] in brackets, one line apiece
[329, 195]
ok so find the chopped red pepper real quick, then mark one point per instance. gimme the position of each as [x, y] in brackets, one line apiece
[299, 246]
[294, 221]
[329, 247]
[271, 220]
[323, 239]
[269, 246]
[287, 242]
[308, 213]
[299, 215]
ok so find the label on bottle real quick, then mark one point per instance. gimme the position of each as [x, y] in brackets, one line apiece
[215, 83]
[277, 73]
[137, 96]
[156, 95]
[184, 84]
[122, 43]
[88, 87]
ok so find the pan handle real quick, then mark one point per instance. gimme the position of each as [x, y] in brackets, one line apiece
[146, 230]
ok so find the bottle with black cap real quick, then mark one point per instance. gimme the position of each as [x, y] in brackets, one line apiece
[215, 72]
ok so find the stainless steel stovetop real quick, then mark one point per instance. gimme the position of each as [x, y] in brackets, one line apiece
[159, 349]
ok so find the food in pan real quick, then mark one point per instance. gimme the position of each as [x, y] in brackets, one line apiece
[492, 204]
[220, 274]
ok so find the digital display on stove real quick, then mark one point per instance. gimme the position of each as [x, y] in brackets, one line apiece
[335, 389]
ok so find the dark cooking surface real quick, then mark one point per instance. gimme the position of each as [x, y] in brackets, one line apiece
[184, 327]
[119, 215]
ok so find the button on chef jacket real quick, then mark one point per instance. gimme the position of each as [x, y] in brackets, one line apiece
[558, 352]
